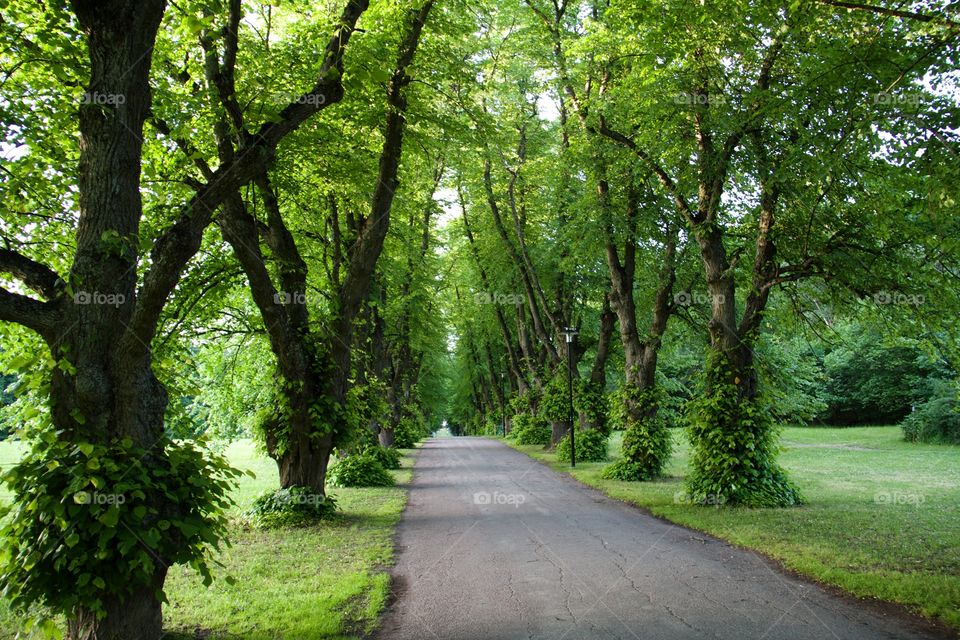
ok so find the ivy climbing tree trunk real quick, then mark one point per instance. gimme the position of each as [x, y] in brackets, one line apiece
[647, 443]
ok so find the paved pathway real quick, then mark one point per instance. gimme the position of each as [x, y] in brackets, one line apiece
[496, 546]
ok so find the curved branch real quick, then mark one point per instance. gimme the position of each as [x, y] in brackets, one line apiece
[35, 275]
[328, 87]
[661, 174]
[181, 241]
[41, 317]
[896, 13]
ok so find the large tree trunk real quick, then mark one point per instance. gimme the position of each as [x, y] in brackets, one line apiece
[113, 392]
[386, 437]
[114, 388]
[647, 443]
[745, 471]
[640, 356]
[137, 616]
[106, 331]
[304, 463]
[302, 455]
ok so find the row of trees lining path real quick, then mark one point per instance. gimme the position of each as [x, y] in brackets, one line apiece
[386, 204]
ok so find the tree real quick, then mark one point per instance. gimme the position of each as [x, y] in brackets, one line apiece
[99, 318]
[314, 366]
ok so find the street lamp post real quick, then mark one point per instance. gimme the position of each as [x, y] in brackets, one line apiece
[570, 333]
[503, 402]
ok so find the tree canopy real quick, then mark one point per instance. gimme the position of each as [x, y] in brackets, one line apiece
[339, 226]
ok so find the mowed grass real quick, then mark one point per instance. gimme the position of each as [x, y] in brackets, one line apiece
[327, 581]
[882, 518]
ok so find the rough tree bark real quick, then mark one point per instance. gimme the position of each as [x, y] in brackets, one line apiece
[114, 387]
[640, 354]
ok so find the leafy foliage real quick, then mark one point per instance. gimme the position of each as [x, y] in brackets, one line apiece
[555, 403]
[937, 420]
[530, 430]
[734, 448]
[410, 430]
[647, 444]
[793, 380]
[591, 446]
[590, 401]
[874, 381]
[359, 470]
[389, 457]
[88, 523]
[646, 449]
[290, 507]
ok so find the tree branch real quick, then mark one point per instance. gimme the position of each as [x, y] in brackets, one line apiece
[328, 87]
[181, 241]
[41, 317]
[896, 13]
[369, 243]
[661, 174]
[35, 275]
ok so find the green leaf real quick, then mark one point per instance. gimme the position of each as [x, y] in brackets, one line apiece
[381, 75]
[110, 517]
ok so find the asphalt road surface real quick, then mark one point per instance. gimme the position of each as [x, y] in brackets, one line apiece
[496, 546]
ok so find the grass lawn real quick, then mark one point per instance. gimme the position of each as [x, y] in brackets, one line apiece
[320, 582]
[882, 517]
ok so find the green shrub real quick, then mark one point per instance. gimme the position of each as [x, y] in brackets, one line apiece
[591, 402]
[90, 521]
[591, 446]
[388, 456]
[520, 422]
[937, 420]
[646, 448]
[555, 403]
[409, 431]
[359, 470]
[530, 430]
[290, 507]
